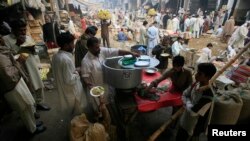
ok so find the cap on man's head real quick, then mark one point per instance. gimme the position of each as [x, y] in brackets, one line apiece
[65, 38]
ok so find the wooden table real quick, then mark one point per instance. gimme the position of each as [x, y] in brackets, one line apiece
[166, 98]
[128, 105]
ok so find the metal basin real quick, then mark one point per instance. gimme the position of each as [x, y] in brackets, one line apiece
[118, 77]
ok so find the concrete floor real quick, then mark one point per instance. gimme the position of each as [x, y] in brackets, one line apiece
[140, 129]
[12, 128]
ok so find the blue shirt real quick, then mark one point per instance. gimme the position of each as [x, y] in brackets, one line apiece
[122, 36]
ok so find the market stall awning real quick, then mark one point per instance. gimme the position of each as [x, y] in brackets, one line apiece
[84, 3]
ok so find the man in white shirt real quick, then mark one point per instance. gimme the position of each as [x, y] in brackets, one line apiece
[143, 33]
[230, 52]
[15, 91]
[153, 38]
[158, 19]
[176, 24]
[196, 27]
[239, 36]
[206, 54]
[91, 67]
[219, 31]
[192, 21]
[14, 41]
[187, 24]
[71, 95]
[177, 47]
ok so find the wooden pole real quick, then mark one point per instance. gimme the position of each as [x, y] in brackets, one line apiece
[166, 124]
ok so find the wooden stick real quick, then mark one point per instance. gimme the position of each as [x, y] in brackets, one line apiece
[218, 73]
[166, 124]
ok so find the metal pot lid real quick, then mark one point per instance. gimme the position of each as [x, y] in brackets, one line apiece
[153, 62]
[142, 63]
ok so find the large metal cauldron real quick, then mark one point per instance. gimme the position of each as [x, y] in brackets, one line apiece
[118, 77]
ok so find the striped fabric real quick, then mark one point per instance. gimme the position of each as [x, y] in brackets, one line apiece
[241, 74]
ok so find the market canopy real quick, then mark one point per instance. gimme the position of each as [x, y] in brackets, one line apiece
[84, 3]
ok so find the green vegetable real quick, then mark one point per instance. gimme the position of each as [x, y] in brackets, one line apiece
[97, 90]
[163, 88]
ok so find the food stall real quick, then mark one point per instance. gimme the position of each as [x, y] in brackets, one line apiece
[126, 81]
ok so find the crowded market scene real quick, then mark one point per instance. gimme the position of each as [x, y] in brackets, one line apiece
[124, 70]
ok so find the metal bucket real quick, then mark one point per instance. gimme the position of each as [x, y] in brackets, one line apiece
[118, 77]
[163, 61]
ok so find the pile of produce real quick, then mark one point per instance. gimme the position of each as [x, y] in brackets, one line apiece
[152, 12]
[104, 15]
[43, 73]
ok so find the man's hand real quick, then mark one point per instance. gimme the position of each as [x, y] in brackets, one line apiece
[89, 85]
[78, 70]
[102, 100]
[22, 58]
[152, 84]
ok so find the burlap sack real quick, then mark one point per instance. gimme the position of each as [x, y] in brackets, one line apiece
[82, 130]
[184, 54]
[188, 56]
[192, 121]
[227, 108]
[96, 132]
[196, 56]
[245, 113]
[189, 59]
[79, 126]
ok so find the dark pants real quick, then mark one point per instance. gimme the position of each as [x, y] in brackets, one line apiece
[181, 135]
[106, 41]
[175, 109]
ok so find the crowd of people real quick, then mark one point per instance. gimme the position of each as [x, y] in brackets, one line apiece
[150, 30]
